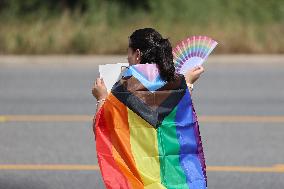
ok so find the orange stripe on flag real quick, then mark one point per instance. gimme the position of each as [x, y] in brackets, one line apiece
[120, 137]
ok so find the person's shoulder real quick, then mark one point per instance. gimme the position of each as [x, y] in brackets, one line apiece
[177, 83]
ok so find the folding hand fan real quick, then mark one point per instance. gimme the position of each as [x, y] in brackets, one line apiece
[192, 52]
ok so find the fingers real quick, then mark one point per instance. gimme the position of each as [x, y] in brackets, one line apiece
[99, 89]
[102, 81]
[195, 68]
[98, 81]
[99, 84]
[194, 74]
[198, 69]
[201, 69]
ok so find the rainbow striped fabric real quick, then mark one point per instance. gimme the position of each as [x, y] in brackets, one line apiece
[147, 134]
[192, 52]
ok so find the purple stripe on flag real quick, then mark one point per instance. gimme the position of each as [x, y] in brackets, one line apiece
[186, 135]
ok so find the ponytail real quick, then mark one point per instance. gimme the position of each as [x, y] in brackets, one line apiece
[165, 60]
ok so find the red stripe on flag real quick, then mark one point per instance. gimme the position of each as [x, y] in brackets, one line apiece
[111, 173]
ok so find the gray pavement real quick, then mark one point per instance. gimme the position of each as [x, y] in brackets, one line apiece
[58, 85]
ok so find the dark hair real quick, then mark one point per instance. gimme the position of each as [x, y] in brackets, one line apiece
[154, 49]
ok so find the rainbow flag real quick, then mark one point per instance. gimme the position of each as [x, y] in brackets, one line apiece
[147, 134]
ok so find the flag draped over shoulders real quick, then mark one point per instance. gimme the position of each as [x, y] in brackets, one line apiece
[147, 134]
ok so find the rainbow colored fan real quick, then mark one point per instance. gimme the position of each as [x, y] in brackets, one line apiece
[192, 52]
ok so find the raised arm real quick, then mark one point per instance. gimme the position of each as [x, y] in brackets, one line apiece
[192, 76]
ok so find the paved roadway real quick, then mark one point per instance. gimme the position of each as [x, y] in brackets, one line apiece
[240, 100]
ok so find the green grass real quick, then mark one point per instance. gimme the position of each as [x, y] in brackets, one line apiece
[241, 26]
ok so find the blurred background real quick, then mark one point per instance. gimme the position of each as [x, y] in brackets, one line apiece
[49, 57]
[77, 26]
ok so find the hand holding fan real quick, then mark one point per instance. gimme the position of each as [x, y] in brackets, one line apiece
[192, 52]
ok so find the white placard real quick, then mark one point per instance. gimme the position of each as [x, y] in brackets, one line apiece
[111, 73]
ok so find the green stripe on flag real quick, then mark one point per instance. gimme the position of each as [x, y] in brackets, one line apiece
[172, 174]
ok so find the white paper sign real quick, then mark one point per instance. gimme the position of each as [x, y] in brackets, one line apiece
[111, 73]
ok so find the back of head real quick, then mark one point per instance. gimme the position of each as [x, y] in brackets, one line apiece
[154, 49]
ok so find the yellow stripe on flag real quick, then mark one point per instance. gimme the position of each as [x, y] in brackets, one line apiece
[143, 139]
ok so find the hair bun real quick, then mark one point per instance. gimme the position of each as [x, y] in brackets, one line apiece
[164, 41]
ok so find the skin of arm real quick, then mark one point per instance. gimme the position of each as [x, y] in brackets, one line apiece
[99, 91]
[192, 76]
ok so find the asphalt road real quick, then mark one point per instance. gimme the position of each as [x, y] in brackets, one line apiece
[239, 99]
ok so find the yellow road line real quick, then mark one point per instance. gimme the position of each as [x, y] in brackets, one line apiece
[59, 167]
[242, 119]
[66, 167]
[46, 118]
[3, 119]
[272, 169]
[88, 118]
